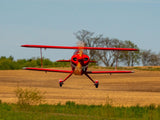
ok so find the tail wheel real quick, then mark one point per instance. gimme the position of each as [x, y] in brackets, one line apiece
[60, 83]
[96, 83]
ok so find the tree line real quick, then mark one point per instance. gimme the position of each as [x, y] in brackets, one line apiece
[8, 63]
[109, 58]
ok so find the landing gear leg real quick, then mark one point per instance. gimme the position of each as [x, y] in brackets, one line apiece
[61, 82]
[96, 83]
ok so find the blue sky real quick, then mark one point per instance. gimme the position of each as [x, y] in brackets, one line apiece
[53, 22]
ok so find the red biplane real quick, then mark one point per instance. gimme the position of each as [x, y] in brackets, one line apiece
[79, 61]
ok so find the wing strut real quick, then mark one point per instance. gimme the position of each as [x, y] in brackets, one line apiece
[117, 60]
[41, 58]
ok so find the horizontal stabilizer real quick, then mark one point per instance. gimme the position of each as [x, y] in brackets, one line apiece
[91, 61]
[63, 61]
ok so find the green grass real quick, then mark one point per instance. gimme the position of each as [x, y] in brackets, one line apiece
[72, 111]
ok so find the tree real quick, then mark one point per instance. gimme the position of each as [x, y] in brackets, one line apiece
[130, 58]
[150, 58]
[7, 63]
[108, 58]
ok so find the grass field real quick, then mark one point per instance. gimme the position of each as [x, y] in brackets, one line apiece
[72, 111]
[141, 88]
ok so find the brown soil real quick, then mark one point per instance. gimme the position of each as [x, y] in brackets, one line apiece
[141, 87]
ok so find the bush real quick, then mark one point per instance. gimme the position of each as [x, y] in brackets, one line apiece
[29, 96]
[70, 103]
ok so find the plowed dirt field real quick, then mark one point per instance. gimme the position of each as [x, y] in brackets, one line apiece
[141, 87]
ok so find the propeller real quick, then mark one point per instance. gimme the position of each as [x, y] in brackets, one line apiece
[81, 45]
[78, 68]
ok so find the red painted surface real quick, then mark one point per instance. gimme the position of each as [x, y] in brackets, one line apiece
[63, 61]
[47, 70]
[91, 61]
[89, 48]
[103, 72]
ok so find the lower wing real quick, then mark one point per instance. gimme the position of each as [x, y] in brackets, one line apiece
[47, 70]
[110, 72]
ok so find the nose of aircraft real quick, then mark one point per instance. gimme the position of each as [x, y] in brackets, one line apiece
[80, 59]
[78, 69]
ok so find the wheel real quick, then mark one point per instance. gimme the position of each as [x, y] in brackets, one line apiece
[96, 83]
[60, 83]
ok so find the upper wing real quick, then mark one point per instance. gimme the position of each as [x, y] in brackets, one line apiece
[88, 48]
[47, 70]
[102, 72]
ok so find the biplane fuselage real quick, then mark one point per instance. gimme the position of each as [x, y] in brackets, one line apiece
[79, 62]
